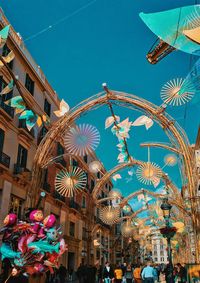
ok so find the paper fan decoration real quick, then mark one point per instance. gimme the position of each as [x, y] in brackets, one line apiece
[143, 120]
[95, 166]
[109, 215]
[170, 160]
[64, 108]
[149, 173]
[82, 139]
[177, 92]
[127, 229]
[69, 182]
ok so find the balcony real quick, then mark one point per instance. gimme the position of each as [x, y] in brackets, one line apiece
[59, 197]
[46, 186]
[18, 169]
[22, 125]
[9, 110]
[5, 159]
[74, 205]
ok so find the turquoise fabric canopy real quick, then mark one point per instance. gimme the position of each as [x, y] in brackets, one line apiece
[169, 26]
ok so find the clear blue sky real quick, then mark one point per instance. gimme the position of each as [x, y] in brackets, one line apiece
[106, 42]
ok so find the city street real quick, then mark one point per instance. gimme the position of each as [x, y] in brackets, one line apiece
[100, 141]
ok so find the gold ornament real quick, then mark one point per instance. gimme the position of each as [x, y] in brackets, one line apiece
[148, 173]
[109, 215]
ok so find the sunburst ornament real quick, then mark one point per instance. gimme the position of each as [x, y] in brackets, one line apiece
[148, 173]
[71, 181]
[115, 194]
[109, 214]
[82, 139]
[170, 160]
[177, 92]
[127, 229]
[95, 166]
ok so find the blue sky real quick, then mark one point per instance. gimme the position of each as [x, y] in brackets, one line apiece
[105, 42]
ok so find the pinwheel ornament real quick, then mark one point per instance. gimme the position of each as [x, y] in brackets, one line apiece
[149, 173]
[109, 215]
[8, 58]
[82, 139]
[169, 27]
[71, 181]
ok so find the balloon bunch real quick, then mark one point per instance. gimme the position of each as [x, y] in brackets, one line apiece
[32, 246]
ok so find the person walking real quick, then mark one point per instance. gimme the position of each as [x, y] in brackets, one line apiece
[108, 273]
[137, 274]
[62, 273]
[148, 273]
[118, 274]
[129, 274]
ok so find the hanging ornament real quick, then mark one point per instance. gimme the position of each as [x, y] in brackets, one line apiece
[170, 160]
[110, 120]
[177, 92]
[8, 88]
[82, 140]
[116, 177]
[8, 58]
[109, 215]
[127, 229]
[30, 117]
[95, 166]
[4, 35]
[143, 120]
[64, 108]
[148, 173]
[115, 194]
[71, 181]
[127, 209]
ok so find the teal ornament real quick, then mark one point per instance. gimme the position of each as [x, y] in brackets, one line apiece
[30, 117]
[169, 26]
[4, 35]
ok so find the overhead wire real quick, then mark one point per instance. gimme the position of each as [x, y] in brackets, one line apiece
[65, 18]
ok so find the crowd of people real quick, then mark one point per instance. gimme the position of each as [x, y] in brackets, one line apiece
[120, 273]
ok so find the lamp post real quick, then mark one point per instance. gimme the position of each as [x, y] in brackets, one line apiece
[168, 232]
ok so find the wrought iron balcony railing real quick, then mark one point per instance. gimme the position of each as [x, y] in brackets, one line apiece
[18, 169]
[5, 159]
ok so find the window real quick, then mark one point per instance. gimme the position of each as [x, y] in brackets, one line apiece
[2, 135]
[71, 229]
[6, 50]
[162, 259]
[47, 107]
[84, 234]
[16, 205]
[29, 84]
[155, 252]
[161, 247]
[98, 175]
[156, 259]
[22, 156]
[83, 202]
[85, 158]
[42, 134]
[74, 162]
[161, 253]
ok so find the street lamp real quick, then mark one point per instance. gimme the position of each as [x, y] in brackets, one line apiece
[168, 232]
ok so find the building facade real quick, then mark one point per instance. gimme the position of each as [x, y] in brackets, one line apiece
[88, 239]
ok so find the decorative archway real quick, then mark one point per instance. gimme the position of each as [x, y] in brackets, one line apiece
[172, 129]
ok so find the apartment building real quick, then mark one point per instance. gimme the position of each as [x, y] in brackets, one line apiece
[78, 217]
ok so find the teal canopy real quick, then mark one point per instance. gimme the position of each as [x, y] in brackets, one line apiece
[169, 26]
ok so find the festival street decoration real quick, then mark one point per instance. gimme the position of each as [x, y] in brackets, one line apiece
[64, 108]
[171, 29]
[82, 139]
[127, 229]
[95, 166]
[149, 173]
[70, 181]
[4, 35]
[170, 160]
[109, 215]
[177, 92]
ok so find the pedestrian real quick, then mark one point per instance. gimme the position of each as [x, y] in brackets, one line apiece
[62, 273]
[91, 274]
[108, 273]
[155, 274]
[71, 274]
[118, 274]
[137, 274]
[148, 273]
[181, 274]
[129, 274]
[100, 274]
[16, 277]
